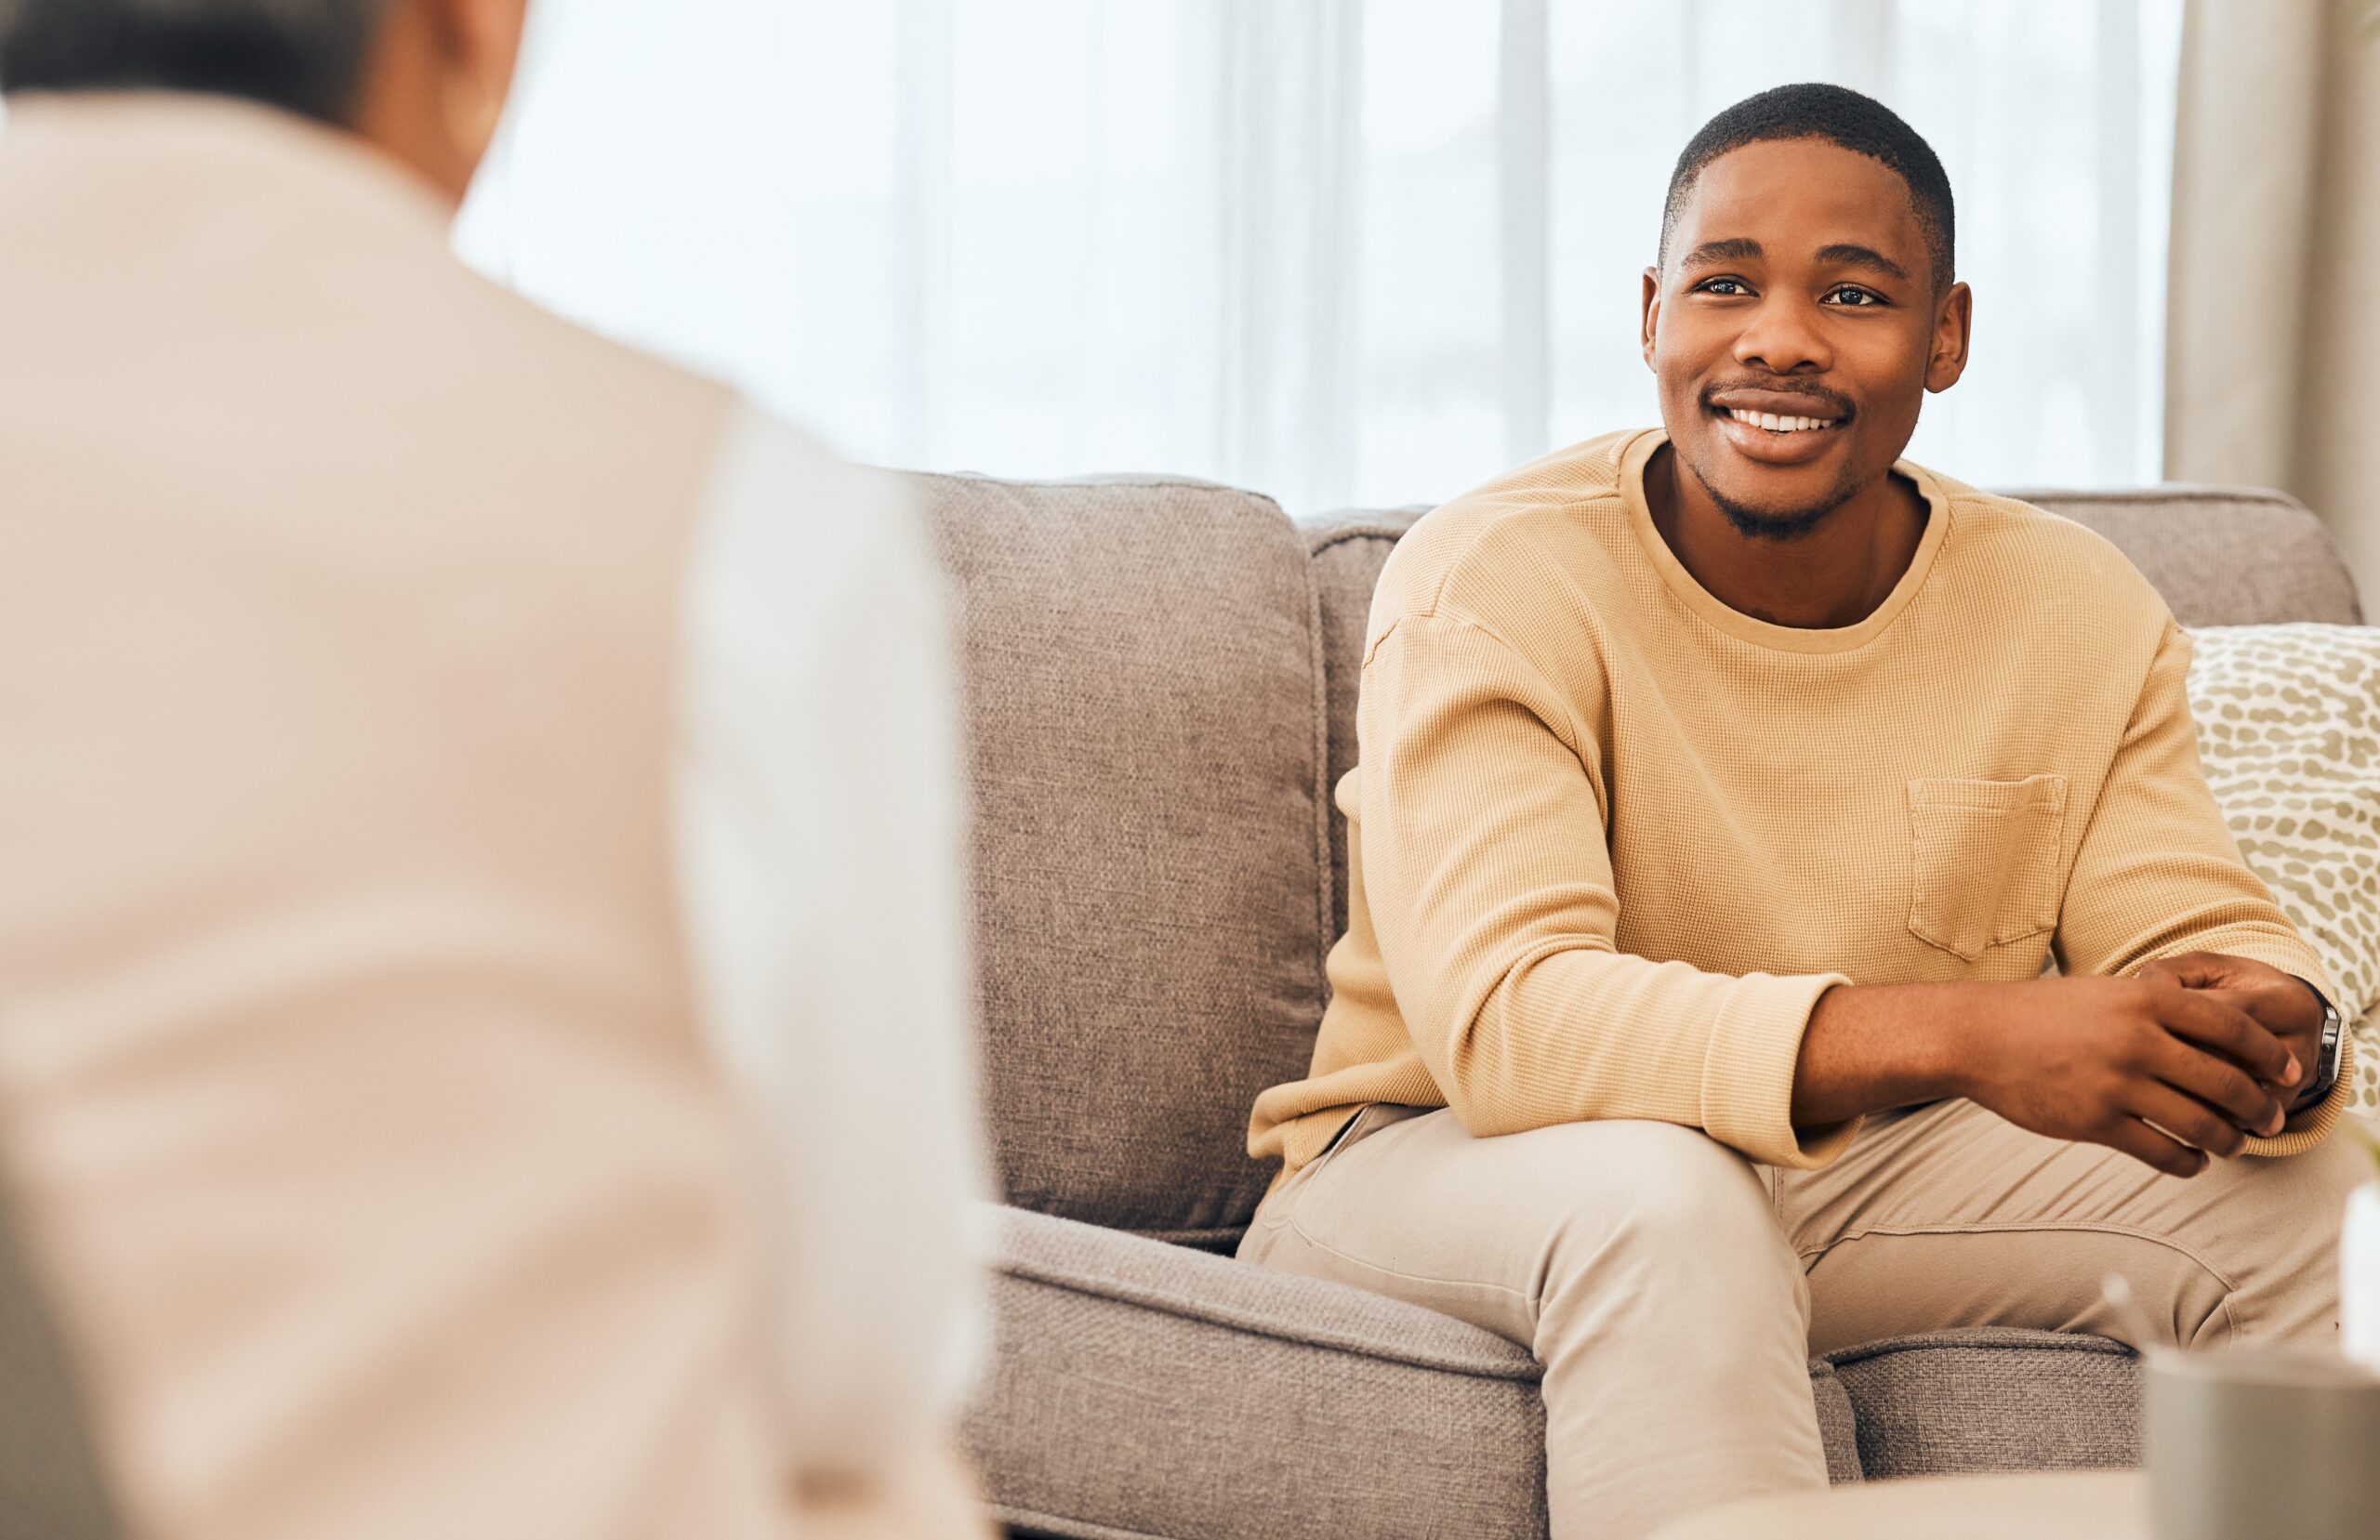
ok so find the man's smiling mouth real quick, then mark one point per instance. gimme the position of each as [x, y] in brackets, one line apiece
[1775, 427]
[1778, 423]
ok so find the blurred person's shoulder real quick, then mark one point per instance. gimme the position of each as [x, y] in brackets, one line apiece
[833, 531]
[267, 277]
[1503, 554]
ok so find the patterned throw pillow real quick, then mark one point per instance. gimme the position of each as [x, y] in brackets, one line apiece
[2289, 731]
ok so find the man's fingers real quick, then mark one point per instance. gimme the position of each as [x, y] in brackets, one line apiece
[2194, 969]
[2263, 991]
[2212, 1020]
[2282, 1004]
[2190, 1120]
[2150, 1148]
[2220, 1084]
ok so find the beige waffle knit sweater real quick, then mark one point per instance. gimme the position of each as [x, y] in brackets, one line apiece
[1611, 839]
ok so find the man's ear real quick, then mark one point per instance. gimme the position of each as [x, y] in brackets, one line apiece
[478, 45]
[1651, 320]
[1946, 357]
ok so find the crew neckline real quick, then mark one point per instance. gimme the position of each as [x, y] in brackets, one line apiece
[1639, 452]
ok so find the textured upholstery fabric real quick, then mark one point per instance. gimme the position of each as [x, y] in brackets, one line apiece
[49, 1482]
[1144, 699]
[1838, 1424]
[1146, 1391]
[1348, 552]
[2221, 556]
[1992, 1401]
[1141, 1389]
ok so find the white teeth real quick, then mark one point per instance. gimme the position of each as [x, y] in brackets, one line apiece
[1776, 424]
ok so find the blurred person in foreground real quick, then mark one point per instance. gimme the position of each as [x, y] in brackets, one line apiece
[483, 855]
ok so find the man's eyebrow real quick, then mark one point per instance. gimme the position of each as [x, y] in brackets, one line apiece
[1734, 249]
[1845, 256]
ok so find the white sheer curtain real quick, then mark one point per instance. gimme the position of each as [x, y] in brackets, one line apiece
[1347, 251]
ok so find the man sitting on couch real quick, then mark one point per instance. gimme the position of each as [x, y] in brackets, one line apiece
[1724, 789]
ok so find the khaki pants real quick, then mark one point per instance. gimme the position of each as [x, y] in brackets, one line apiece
[1673, 1290]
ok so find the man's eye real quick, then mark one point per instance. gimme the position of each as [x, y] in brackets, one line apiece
[1727, 287]
[1852, 294]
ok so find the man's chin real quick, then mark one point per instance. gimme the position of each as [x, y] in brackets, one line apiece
[1781, 526]
[1762, 510]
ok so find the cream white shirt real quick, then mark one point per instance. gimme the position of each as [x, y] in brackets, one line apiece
[374, 1152]
[822, 869]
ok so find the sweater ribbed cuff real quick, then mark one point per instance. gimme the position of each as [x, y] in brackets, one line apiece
[2313, 1125]
[1748, 1067]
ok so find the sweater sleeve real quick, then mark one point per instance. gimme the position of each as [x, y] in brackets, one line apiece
[2158, 873]
[1490, 880]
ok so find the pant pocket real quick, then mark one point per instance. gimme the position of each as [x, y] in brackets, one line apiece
[1274, 1212]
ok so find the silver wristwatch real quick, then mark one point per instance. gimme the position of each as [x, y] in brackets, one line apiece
[2326, 1060]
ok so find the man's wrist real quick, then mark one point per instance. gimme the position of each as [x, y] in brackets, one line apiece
[1943, 1038]
[2321, 1075]
[1868, 1047]
[1947, 1055]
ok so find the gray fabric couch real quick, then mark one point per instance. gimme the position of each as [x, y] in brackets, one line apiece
[1161, 678]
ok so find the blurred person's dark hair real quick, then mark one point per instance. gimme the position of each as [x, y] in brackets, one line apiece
[1841, 117]
[305, 55]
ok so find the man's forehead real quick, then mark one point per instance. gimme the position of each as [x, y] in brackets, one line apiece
[1792, 196]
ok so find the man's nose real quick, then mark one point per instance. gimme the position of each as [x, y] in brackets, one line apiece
[1783, 336]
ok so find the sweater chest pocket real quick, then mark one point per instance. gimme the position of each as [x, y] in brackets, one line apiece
[1984, 860]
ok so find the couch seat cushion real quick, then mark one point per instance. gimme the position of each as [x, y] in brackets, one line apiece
[1142, 1389]
[1998, 1399]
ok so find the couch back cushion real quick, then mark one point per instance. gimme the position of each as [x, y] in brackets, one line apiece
[1143, 686]
[2220, 557]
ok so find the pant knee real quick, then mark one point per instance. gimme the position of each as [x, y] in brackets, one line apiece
[1672, 1206]
[1672, 1257]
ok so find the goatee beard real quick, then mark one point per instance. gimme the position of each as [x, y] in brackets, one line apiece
[1768, 524]
[1784, 527]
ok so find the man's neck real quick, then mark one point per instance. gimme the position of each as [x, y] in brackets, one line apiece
[1834, 576]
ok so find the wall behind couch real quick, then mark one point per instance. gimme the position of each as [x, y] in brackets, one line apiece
[1346, 251]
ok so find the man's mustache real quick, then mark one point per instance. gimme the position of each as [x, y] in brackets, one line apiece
[1838, 404]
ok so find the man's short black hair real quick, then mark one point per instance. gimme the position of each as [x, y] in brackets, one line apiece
[304, 56]
[1839, 115]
